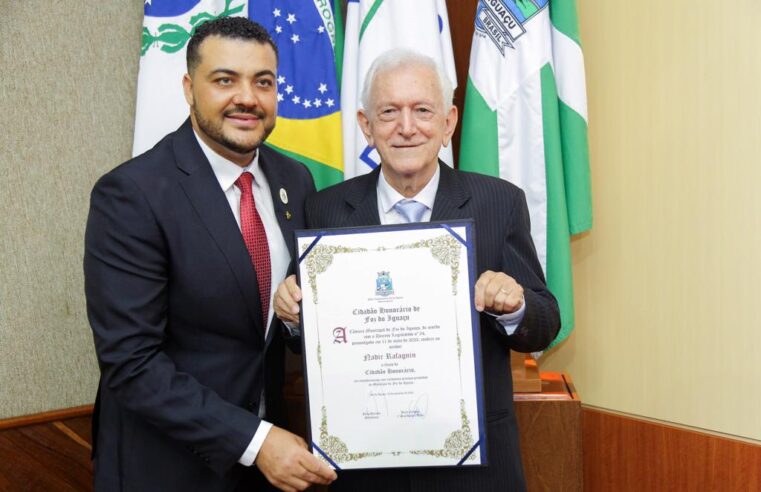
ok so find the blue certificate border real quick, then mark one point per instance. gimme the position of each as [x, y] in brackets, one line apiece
[469, 241]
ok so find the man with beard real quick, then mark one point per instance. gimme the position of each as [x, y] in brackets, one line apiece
[184, 244]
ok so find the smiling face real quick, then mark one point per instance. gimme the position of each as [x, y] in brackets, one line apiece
[408, 124]
[233, 96]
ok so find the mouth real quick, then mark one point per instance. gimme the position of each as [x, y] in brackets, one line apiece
[407, 145]
[243, 119]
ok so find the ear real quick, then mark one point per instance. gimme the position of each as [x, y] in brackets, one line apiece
[450, 123]
[364, 124]
[187, 89]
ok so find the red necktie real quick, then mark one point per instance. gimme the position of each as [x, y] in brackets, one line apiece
[255, 238]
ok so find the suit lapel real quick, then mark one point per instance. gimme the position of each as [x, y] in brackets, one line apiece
[278, 181]
[362, 197]
[202, 189]
[451, 197]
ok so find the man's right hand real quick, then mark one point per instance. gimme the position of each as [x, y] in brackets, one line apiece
[286, 302]
[286, 462]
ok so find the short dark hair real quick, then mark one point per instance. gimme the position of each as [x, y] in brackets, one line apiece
[226, 27]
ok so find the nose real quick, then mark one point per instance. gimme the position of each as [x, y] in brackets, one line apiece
[407, 124]
[245, 96]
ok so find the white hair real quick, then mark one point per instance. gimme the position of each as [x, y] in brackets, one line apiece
[402, 57]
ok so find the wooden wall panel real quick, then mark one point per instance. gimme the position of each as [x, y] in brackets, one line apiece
[44, 457]
[622, 453]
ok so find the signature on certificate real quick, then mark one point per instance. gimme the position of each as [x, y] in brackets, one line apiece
[375, 406]
[417, 407]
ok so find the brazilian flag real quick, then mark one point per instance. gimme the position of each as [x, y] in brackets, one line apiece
[309, 37]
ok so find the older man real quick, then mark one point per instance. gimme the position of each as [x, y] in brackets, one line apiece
[408, 115]
[183, 247]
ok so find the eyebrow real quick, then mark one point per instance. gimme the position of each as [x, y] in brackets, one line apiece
[262, 73]
[227, 71]
[421, 102]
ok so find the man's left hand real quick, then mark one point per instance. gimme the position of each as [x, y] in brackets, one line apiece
[498, 293]
[286, 301]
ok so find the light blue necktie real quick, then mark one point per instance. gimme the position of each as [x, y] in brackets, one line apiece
[411, 210]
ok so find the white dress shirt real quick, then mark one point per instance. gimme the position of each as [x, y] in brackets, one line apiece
[388, 197]
[227, 173]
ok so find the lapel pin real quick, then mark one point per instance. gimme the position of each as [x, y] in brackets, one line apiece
[284, 197]
[288, 214]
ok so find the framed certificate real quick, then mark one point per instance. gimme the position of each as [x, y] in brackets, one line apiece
[390, 336]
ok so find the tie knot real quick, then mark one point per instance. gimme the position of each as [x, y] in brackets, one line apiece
[411, 210]
[244, 181]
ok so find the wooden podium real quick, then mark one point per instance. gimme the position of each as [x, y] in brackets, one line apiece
[549, 423]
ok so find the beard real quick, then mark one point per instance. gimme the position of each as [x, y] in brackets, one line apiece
[215, 131]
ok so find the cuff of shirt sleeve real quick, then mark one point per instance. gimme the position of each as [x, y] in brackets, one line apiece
[510, 321]
[294, 329]
[249, 455]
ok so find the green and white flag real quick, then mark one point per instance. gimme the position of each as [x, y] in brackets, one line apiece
[373, 27]
[525, 120]
[167, 27]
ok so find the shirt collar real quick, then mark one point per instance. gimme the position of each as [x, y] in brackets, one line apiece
[226, 171]
[388, 196]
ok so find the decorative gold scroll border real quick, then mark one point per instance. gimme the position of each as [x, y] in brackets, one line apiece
[458, 443]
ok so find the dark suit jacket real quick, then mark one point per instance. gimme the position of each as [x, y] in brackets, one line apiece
[503, 244]
[174, 307]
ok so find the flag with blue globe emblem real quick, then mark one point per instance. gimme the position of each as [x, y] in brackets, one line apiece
[309, 36]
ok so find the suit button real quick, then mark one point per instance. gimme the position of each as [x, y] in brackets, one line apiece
[253, 406]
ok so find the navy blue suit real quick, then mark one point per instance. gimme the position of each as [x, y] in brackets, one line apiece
[503, 244]
[174, 307]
